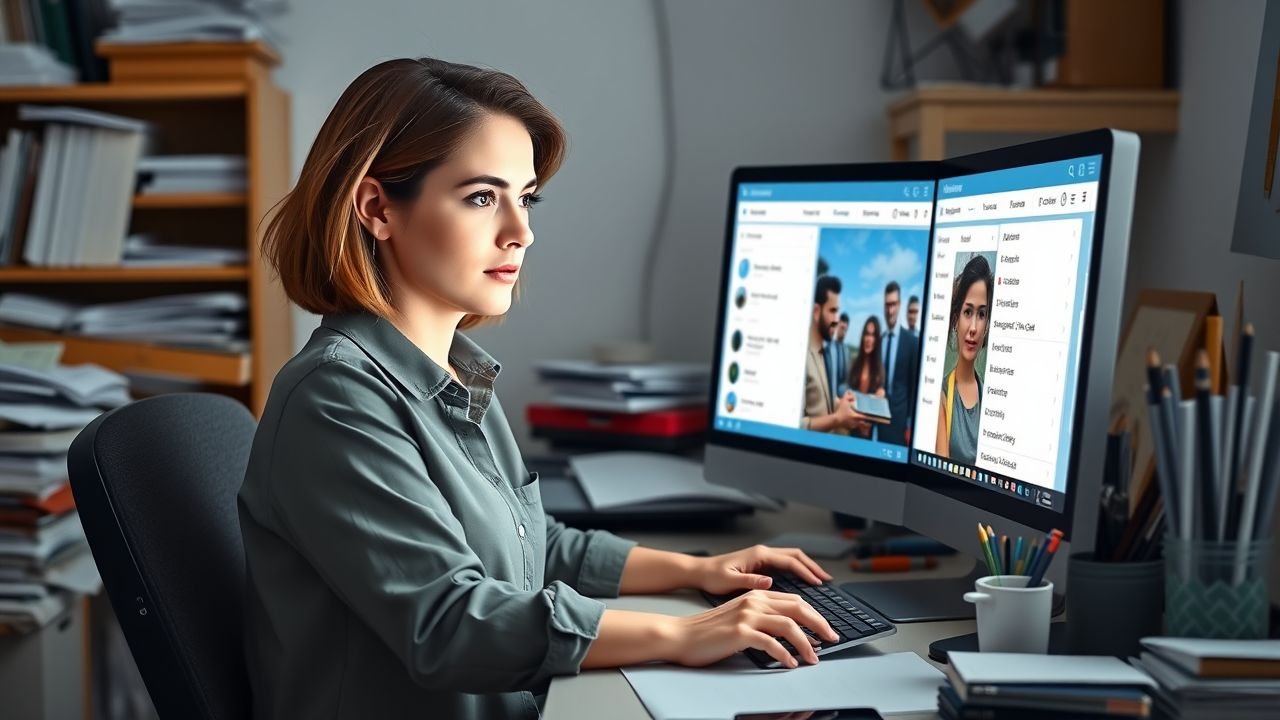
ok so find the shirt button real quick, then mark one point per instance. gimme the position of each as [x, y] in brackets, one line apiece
[520, 530]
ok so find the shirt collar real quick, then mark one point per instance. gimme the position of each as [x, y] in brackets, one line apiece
[406, 363]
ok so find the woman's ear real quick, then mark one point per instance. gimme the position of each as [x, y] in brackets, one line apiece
[371, 206]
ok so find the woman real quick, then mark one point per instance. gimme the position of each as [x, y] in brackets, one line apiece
[961, 406]
[399, 562]
[866, 375]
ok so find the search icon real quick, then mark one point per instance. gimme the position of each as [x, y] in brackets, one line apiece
[1071, 170]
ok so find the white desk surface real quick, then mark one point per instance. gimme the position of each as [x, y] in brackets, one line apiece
[583, 696]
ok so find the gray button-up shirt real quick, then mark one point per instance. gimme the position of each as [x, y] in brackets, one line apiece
[399, 561]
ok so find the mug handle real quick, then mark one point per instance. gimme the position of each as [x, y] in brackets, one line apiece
[977, 597]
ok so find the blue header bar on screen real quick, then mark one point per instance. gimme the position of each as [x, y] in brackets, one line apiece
[871, 191]
[1061, 172]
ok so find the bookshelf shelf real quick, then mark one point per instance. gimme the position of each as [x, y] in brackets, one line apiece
[33, 276]
[207, 366]
[122, 93]
[190, 200]
[927, 115]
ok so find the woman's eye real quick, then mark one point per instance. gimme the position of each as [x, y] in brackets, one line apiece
[530, 199]
[482, 199]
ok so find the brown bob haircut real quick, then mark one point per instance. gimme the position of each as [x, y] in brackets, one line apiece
[395, 123]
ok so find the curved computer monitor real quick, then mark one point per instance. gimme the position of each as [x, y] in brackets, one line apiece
[858, 236]
[1019, 438]
[1015, 384]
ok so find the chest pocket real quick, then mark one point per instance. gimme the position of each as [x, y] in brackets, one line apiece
[530, 493]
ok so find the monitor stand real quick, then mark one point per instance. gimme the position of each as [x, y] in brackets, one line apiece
[907, 601]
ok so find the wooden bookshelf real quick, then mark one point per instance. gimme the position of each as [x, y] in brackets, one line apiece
[40, 276]
[180, 201]
[205, 366]
[928, 115]
[201, 98]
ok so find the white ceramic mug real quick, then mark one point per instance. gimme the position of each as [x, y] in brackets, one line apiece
[1011, 616]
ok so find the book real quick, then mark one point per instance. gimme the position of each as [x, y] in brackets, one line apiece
[1219, 658]
[988, 674]
[1075, 703]
[877, 408]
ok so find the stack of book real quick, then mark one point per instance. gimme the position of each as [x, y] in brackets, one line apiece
[167, 21]
[170, 174]
[43, 552]
[48, 42]
[657, 406]
[84, 185]
[146, 250]
[210, 320]
[1213, 679]
[992, 686]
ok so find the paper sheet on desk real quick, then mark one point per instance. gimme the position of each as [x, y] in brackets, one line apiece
[616, 479]
[892, 684]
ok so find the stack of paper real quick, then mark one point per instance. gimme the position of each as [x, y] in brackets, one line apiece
[166, 21]
[625, 388]
[1017, 685]
[1214, 679]
[216, 320]
[42, 545]
[32, 64]
[162, 174]
[84, 186]
[145, 250]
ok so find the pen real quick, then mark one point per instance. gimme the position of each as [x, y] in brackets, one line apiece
[1017, 556]
[1032, 551]
[994, 542]
[894, 563]
[986, 550]
[1242, 394]
[1187, 480]
[1208, 479]
[1164, 473]
[1046, 557]
[1005, 562]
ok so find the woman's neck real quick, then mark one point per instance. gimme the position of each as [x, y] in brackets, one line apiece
[964, 371]
[428, 327]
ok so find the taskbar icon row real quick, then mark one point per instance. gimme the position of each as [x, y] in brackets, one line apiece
[1021, 490]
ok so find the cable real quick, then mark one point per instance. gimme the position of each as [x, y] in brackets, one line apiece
[663, 36]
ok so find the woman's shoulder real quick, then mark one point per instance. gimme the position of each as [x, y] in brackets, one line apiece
[328, 364]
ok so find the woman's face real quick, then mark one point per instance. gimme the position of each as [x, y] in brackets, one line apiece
[971, 327]
[460, 244]
[868, 338]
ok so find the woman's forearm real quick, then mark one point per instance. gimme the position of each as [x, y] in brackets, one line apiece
[649, 572]
[631, 638]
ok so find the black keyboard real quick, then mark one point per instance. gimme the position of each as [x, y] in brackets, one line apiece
[854, 621]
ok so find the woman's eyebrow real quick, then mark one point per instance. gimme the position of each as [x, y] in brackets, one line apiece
[492, 180]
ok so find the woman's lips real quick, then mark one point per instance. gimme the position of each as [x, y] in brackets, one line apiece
[503, 275]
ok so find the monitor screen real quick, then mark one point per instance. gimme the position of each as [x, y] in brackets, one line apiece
[819, 344]
[1003, 326]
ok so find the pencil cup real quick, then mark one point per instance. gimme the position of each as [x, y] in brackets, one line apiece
[1216, 589]
[1099, 625]
[1011, 616]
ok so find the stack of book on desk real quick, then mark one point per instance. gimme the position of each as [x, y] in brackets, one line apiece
[653, 406]
[1214, 679]
[1000, 686]
[43, 551]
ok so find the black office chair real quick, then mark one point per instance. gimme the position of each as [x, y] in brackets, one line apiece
[155, 482]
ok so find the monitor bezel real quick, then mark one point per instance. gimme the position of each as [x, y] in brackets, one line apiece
[924, 171]
[1097, 142]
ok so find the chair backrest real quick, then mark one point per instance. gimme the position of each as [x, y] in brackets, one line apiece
[155, 483]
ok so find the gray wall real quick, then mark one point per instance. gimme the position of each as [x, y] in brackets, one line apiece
[595, 64]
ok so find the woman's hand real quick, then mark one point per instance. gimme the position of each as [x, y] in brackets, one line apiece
[754, 620]
[742, 569]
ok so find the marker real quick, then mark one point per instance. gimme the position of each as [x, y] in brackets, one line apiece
[1055, 539]
[894, 563]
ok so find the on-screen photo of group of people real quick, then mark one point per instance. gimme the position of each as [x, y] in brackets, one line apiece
[863, 353]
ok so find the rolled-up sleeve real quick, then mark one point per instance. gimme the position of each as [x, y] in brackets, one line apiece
[354, 497]
[590, 561]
